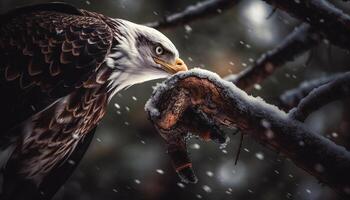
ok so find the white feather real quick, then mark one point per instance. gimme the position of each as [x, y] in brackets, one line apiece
[134, 65]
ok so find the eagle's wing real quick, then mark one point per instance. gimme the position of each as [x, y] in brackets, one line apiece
[46, 52]
[52, 183]
[21, 189]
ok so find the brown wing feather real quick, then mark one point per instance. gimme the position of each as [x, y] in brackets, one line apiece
[45, 55]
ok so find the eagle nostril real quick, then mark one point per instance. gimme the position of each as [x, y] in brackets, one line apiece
[179, 63]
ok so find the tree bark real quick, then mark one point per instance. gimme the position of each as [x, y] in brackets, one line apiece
[187, 98]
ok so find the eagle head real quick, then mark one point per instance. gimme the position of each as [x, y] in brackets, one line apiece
[141, 54]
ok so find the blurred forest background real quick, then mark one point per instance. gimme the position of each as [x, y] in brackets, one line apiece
[127, 160]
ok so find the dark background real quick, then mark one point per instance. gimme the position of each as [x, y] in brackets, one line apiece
[127, 159]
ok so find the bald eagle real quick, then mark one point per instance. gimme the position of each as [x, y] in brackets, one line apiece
[59, 68]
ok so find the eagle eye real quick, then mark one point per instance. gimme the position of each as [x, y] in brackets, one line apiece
[159, 50]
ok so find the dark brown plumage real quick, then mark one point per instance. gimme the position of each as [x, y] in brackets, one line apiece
[48, 52]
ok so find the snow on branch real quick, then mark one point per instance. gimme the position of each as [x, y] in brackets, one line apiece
[184, 102]
[292, 97]
[194, 12]
[299, 41]
[320, 14]
[329, 92]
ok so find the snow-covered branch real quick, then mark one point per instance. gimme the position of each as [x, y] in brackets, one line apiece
[180, 103]
[329, 92]
[201, 10]
[291, 98]
[299, 41]
[322, 15]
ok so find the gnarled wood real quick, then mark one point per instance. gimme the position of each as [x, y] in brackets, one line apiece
[186, 99]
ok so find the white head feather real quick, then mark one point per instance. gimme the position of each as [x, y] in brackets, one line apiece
[132, 58]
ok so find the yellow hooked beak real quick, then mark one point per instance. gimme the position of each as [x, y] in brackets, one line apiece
[178, 66]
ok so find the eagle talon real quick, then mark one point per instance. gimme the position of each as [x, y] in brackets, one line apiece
[181, 161]
[187, 175]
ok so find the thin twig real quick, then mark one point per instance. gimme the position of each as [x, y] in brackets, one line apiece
[201, 10]
[291, 98]
[273, 11]
[299, 41]
[321, 14]
[326, 93]
[239, 148]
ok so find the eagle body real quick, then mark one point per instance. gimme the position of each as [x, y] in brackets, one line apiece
[59, 67]
[54, 112]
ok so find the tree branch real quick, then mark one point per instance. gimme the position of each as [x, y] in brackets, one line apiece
[329, 92]
[203, 9]
[320, 14]
[292, 98]
[220, 102]
[299, 41]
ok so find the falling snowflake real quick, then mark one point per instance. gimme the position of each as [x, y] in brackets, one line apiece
[116, 106]
[195, 146]
[334, 134]
[319, 167]
[181, 185]
[257, 86]
[75, 136]
[210, 173]
[301, 143]
[206, 188]
[188, 29]
[71, 162]
[259, 156]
